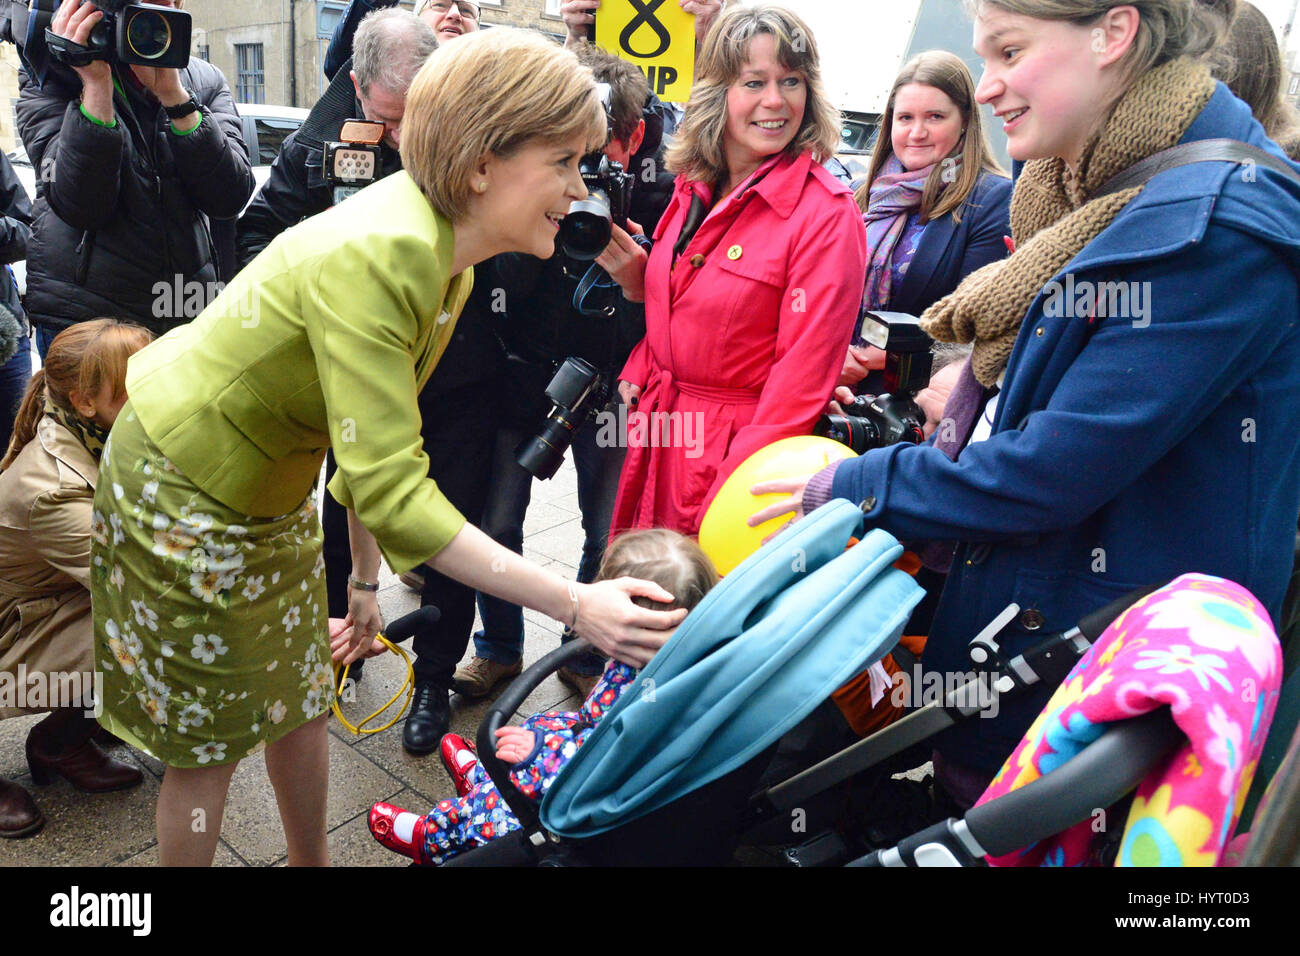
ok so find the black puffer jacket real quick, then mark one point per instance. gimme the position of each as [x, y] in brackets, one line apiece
[15, 233]
[122, 211]
[295, 190]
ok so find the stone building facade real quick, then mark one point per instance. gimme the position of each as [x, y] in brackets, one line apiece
[251, 40]
[271, 51]
[9, 94]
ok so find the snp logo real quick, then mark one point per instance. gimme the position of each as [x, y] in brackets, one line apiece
[76, 909]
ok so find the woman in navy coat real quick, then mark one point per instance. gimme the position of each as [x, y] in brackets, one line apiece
[1128, 445]
[935, 202]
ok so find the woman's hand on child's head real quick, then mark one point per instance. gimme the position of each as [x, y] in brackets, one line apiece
[621, 629]
[514, 744]
[364, 623]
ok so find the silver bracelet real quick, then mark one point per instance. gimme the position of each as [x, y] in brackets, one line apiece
[573, 596]
[360, 585]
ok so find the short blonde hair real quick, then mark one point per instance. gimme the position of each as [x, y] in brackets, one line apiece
[698, 152]
[491, 93]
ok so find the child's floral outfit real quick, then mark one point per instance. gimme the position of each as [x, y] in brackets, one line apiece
[481, 815]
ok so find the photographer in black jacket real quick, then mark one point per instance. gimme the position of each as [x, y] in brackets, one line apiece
[449, 19]
[391, 46]
[532, 302]
[15, 231]
[131, 163]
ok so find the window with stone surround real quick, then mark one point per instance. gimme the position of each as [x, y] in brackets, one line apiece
[250, 73]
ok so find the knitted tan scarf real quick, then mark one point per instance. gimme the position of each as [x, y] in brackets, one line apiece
[1052, 218]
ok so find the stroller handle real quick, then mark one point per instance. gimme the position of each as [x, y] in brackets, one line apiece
[1096, 778]
[499, 715]
[1093, 624]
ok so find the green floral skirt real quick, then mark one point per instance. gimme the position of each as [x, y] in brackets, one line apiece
[210, 626]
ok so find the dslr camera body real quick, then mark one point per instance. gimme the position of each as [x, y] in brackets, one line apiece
[585, 231]
[576, 392]
[874, 421]
[146, 34]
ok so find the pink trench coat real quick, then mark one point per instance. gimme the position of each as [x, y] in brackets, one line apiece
[745, 335]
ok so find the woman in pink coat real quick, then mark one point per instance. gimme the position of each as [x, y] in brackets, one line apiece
[753, 285]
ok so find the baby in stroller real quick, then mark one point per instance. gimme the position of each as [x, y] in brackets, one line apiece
[539, 748]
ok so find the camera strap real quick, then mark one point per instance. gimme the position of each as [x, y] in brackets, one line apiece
[597, 278]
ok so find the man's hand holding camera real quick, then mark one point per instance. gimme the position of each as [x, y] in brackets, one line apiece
[75, 20]
[624, 260]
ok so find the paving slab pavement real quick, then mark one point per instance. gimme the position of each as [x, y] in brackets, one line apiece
[117, 829]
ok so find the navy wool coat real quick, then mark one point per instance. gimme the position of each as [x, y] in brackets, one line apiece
[949, 251]
[1127, 448]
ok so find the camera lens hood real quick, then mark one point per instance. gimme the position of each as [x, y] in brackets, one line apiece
[585, 231]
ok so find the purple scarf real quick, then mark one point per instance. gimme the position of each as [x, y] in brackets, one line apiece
[895, 195]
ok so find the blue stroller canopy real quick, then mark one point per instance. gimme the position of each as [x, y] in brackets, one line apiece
[763, 649]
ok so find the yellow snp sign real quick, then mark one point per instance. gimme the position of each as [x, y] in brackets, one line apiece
[658, 36]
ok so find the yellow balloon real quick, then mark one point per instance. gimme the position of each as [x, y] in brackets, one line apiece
[725, 535]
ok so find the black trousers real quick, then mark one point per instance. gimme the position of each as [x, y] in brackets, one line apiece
[458, 441]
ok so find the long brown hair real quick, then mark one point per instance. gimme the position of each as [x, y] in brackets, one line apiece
[1250, 63]
[1167, 29]
[671, 560]
[947, 73]
[81, 359]
[698, 152]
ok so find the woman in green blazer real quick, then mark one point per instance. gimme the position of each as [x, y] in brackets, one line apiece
[206, 570]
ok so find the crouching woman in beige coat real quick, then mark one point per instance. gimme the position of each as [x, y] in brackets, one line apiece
[47, 487]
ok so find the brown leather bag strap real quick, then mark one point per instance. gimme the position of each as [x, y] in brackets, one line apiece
[1201, 151]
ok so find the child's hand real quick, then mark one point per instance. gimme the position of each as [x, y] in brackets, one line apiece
[514, 744]
[341, 641]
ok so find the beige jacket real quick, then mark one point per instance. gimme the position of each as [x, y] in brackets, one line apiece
[46, 499]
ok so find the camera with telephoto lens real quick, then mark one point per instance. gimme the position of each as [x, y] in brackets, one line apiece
[585, 231]
[354, 161]
[576, 392]
[874, 421]
[146, 34]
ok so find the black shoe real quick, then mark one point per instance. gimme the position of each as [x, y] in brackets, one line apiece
[428, 720]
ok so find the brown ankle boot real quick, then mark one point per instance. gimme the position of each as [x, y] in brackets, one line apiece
[19, 815]
[86, 767]
[106, 738]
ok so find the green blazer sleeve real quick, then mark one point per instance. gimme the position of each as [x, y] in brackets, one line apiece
[324, 340]
[363, 330]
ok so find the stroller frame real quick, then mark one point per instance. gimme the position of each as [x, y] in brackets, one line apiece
[1111, 766]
